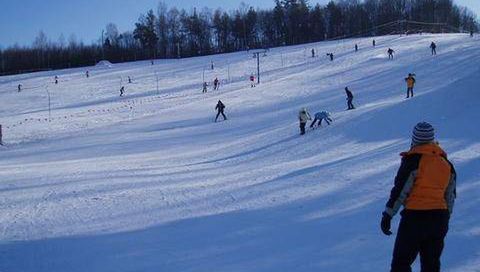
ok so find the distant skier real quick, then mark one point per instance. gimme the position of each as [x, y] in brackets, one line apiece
[313, 52]
[356, 47]
[390, 52]
[320, 116]
[252, 81]
[303, 118]
[433, 46]
[87, 74]
[129, 80]
[216, 84]
[410, 84]
[122, 91]
[330, 55]
[471, 33]
[212, 66]
[425, 185]
[56, 80]
[19, 87]
[374, 43]
[205, 87]
[349, 99]
[152, 62]
[220, 110]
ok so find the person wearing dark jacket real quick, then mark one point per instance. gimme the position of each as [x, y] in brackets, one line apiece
[349, 99]
[425, 186]
[433, 46]
[390, 52]
[330, 55]
[220, 110]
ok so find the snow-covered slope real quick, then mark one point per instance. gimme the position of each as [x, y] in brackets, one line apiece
[149, 182]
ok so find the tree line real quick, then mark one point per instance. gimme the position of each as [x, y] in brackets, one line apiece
[176, 33]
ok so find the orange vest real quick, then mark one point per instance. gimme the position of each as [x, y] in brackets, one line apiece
[431, 181]
[410, 82]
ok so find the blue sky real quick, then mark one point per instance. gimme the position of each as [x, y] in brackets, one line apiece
[21, 20]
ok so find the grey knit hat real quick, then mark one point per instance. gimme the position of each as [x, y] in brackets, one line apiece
[423, 133]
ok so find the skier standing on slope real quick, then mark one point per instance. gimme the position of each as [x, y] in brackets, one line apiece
[374, 43]
[390, 52]
[87, 74]
[252, 81]
[216, 84]
[330, 55]
[320, 116]
[56, 80]
[410, 84]
[433, 46]
[313, 52]
[426, 186]
[349, 99]
[303, 118]
[356, 47]
[220, 110]
[205, 87]
[19, 87]
[122, 91]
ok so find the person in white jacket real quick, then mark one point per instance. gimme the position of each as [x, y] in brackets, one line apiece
[303, 117]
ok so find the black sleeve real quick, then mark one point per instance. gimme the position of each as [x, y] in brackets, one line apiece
[409, 164]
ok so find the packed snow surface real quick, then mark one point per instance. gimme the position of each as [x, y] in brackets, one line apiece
[149, 182]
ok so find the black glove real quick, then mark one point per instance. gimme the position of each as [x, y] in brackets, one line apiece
[386, 224]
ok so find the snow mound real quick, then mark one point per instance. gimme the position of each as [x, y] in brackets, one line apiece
[104, 64]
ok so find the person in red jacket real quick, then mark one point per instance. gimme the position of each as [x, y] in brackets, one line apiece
[252, 81]
[425, 186]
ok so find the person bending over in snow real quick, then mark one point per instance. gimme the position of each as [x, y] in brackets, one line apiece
[390, 52]
[320, 116]
[425, 186]
[410, 84]
[220, 110]
[303, 118]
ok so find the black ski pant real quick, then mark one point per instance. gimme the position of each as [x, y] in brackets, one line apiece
[350, 104]
[302, 128]
[218, 114]
[434, 51]
[420, 232]
[409, 92]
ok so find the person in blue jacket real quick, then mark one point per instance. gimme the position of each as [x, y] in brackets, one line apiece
[320, 116]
